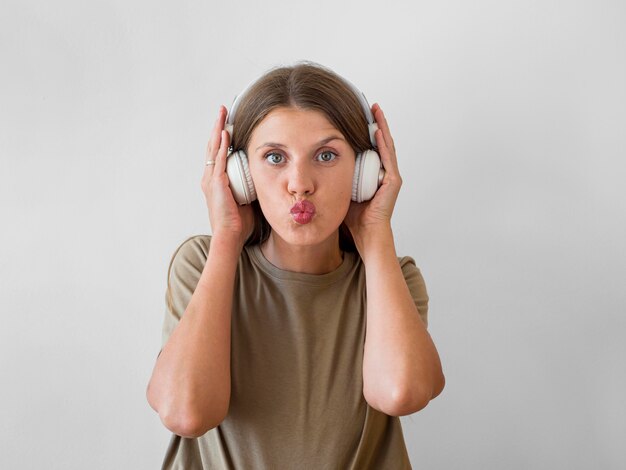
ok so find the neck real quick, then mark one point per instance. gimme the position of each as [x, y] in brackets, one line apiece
[309, 259]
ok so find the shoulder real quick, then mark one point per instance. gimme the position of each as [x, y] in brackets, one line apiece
[184, 271]
[409, 267]
[406, 261]
[183, 274]
[194, 251]
[188, 260]
[416, 284]
[194, 244]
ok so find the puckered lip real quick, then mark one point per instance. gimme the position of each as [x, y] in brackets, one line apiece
[303, 206]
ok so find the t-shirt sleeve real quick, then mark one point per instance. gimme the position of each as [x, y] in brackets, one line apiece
[183, 276]
[417, 286]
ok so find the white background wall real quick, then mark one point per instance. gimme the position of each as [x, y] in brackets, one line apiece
[509, 118]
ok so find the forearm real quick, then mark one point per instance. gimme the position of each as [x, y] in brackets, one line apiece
[401, 366]
[190, 384]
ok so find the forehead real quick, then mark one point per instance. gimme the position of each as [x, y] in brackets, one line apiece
[289, 122]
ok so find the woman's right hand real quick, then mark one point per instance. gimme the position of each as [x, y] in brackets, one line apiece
[227, 218]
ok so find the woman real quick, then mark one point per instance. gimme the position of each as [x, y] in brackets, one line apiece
[270, 359]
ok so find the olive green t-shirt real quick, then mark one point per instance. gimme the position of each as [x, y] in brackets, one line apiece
[296, 368]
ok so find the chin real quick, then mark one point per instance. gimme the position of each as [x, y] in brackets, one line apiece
[303, 234]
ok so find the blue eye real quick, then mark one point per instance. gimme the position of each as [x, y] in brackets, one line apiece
[327, 156]
[273, 161]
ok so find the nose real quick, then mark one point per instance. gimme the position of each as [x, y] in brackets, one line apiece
[300, 180]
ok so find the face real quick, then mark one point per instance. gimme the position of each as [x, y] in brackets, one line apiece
[297, 155]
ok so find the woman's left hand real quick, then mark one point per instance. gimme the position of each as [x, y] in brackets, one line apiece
[368, 217]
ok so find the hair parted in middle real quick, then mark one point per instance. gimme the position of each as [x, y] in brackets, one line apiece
[308, 86]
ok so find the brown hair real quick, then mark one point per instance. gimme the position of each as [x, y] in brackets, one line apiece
[308, 86]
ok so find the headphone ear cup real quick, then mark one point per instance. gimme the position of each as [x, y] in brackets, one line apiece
[368, 176]
[239, 178]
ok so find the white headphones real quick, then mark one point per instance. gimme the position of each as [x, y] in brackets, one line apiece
[368, 172]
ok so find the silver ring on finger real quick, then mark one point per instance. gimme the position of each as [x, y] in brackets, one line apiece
[210, 162]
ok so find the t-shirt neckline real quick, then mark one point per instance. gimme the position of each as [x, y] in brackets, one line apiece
[258, 258]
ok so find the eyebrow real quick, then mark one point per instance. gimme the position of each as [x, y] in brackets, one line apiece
[321, 142]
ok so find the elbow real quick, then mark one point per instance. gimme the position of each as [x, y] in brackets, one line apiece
[440, 384]
[404, 401]
[186, 421]
[190, 425]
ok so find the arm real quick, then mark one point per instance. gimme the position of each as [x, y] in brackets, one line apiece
[190, 383]
[401, 366]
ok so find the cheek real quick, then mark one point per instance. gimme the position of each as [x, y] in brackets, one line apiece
[346, 186]
[345, 193]
[265, 188]
[257, 177]
[342, 195]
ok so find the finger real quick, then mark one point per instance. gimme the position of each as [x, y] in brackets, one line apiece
[214, 139]
[220, 159]
[387, 154]
[384, 127]
[380, 139]
[381, 120]
[383, 148]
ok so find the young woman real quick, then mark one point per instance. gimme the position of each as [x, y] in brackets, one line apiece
[294, 336]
